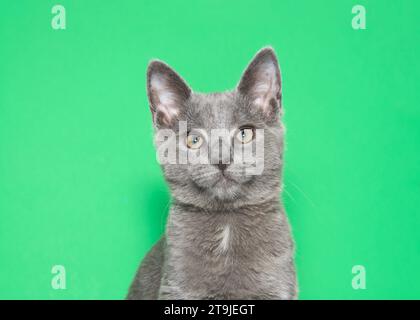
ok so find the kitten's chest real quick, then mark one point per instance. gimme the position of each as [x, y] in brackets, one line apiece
[225, 237]
[221, 255]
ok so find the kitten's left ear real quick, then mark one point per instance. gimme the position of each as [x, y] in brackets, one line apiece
[261, 82]
[167, 93]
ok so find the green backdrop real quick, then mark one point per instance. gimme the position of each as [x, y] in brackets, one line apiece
[79, 181]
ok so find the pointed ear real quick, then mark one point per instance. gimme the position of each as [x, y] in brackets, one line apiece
[261, 82]
[167, 93]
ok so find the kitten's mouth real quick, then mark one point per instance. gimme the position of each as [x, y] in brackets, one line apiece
[224, 181]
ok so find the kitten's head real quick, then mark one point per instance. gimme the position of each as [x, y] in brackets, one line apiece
[222, 128]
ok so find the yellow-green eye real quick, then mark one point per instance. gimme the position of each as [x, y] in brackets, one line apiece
[194, 141]
[245, 135]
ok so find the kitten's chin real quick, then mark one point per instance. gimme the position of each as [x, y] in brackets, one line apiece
[225, 189]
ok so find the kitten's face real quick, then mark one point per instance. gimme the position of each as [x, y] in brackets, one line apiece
[221, 127]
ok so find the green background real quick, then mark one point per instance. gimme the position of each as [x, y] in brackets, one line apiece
[79, 181]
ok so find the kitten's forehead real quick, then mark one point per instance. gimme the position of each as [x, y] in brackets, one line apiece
[215, 110]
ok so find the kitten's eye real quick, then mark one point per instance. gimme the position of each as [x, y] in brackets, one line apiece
[194, 141]
[245, 135]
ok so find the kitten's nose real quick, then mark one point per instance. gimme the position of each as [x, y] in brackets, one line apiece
[222, 166]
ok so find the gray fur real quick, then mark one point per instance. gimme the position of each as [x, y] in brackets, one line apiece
[256, 259]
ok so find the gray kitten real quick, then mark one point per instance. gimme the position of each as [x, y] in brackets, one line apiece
[227, 236]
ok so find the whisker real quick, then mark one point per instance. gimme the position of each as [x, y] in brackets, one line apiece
[206, 174]
[290, 196]
[304, 194]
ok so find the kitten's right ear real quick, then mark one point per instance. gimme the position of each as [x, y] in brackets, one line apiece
[261, 82]
[167, 93]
